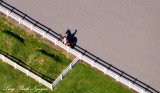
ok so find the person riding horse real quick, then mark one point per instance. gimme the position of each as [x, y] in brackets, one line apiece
[70, 40]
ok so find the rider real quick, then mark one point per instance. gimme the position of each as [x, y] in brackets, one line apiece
[64, 40]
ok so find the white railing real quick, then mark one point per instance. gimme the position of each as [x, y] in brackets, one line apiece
[26, 71]
[65, 72]
[36, 77]
[113, 75]
[74, 52]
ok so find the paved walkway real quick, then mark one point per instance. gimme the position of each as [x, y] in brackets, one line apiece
[124, 33]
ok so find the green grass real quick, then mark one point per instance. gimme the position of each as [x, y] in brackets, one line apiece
[14, 81]
[81, 79]
[31, 51]
[84, 79]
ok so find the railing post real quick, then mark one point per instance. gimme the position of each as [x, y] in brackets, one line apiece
[55, 41]
[15, 65]
[70, 65]
[61, 76]
[19, 20]
[93, 64]
[117, 78]
[8, 13]
[68, 49]
[142, 91]
[51, 87]
[39, 79]
[104, 70]
[31, 27]
[80, 56]
[3, 58]
[43, 34]
[27, 72]
[130, 85]
[53, 84]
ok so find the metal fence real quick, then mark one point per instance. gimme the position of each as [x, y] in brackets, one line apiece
[81, 53]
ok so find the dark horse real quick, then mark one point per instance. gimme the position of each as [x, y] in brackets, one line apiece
[70, 40]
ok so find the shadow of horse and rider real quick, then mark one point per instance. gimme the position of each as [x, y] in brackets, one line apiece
[69, 39]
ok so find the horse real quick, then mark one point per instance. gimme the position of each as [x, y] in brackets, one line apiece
[70, 40]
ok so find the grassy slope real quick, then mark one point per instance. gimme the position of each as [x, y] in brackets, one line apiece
[84, 79]
[81, 79]
[14, 79]
[31, 50]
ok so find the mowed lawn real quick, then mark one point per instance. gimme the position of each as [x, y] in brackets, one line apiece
[85, 79]
[31, 51]
[81, 79]
[15, 81]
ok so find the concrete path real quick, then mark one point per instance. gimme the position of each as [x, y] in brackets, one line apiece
[126, 33]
